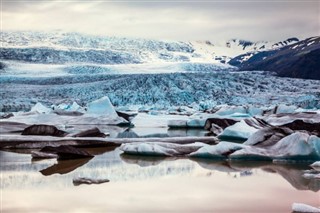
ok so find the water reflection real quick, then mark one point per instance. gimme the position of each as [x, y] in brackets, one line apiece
[144, 161]
[111, 164]
[292, 173]
[64, 166]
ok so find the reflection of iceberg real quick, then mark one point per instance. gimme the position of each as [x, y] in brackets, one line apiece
[186, 132]
[144, 161]
[64, 166]
[293, 173]
[227, 166]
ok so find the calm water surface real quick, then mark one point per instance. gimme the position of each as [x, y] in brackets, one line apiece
[151, 184]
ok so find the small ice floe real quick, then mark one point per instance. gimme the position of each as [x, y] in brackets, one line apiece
[304, 208]
[82, 180]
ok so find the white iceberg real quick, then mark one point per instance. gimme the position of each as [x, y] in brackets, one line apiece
[40, 108]
[255, 111]
[240, 130]
[102, 106]
[76, 107]
[297, 146]
[221, 150]
[160, 148]
[282, 108]
[301, 207]
[229, 110]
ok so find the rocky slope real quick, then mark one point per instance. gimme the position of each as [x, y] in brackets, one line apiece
[299, 60]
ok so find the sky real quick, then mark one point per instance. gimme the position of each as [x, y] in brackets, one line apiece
[255, 20]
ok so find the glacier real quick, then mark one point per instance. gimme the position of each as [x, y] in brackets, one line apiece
[57, 67]
[159, 91]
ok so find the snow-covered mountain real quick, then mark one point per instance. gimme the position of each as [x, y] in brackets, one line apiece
[298, 60]
[59, 48]
[224, 51]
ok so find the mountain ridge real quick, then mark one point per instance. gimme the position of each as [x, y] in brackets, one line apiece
[299, 60]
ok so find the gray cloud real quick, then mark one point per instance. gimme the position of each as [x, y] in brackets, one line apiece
[178, 20]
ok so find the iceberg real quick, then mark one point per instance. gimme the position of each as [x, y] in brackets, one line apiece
[177, 123]
[40, 108]
[240, 130]
[282, 108]
[196, 123]
[102, 106]
[268, 136]
[229, 110]
[297, 146]
[160, 148]
[221, 150]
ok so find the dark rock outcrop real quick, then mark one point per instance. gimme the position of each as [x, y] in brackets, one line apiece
[43, 129]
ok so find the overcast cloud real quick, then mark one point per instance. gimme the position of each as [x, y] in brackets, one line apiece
[177, 20]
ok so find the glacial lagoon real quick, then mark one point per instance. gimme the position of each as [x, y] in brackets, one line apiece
[151, 184]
